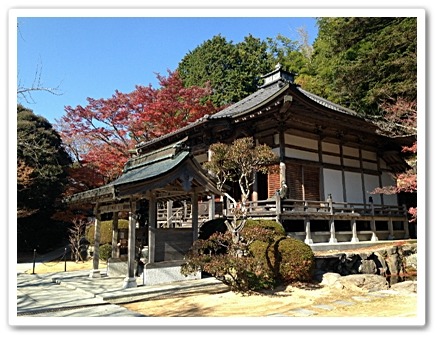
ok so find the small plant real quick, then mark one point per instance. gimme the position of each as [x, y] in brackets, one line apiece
[106, 231]
[105, 252]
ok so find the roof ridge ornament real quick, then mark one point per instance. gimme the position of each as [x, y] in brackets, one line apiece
[277, 75]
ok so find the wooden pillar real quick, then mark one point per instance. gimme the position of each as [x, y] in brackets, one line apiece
[95, 271]
[115, 247]
[195, 215]
[354, 237]
[152, 226]
[373, 222]
[130, 280]
[254, 197]
[406, 223]
[308, 239]
[332, 221]
[278, 206]
[332, 231]
[211, 207]
[282, 140]
[282, 172]
[341, 155]
[390, 229]
[169, 214]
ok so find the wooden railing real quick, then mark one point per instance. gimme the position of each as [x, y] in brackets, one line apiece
[328, 207]
[336, 213]
[309, 210]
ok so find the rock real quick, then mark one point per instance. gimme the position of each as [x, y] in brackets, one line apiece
[368, 267]
[394, 260]
[369, 282]
[411, 262]
[329, 279]
[405, 287]
[389, 261]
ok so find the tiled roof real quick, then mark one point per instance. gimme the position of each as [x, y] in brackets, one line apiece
[328, 103]
[145, 168]
[151, 170]
[250, 102]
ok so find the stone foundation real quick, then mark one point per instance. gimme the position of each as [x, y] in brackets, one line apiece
[165, 272]
[117, 267]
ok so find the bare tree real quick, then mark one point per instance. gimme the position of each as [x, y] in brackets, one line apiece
[76, 239]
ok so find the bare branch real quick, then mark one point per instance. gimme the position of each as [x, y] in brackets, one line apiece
[25, 92]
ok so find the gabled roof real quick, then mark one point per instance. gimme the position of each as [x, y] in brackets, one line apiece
[277, 83]
[172, 171]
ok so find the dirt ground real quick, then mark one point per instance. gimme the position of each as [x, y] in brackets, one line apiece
[291, 301]
[297, 300]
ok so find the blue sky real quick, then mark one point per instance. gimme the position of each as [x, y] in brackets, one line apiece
[94, 56]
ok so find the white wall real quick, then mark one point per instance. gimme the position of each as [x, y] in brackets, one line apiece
[371, 183]
[333, 184]
[387, 179]
[353, 186]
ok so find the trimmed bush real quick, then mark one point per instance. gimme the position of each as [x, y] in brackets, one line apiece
[266, 224]
[105, 252]
[289, 259]
[297, 261]
[106, 231]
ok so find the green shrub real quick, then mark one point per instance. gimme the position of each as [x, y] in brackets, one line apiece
[297, 262]
[266, 224]
[105, 252]
[289, 259]
[106, 231]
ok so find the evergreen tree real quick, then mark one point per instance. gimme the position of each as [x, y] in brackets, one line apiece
[232, 70]
[363, 62]
[41, 175]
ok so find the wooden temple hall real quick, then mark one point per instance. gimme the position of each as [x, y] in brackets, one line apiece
[331, 159]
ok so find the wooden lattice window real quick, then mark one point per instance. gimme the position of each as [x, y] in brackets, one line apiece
[303, 182]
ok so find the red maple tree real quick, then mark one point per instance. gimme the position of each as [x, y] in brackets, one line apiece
[401, 120]
[101, 134]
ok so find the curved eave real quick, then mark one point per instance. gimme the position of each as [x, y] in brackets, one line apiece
[173, 134]
[178, 177]
[335, 112]
[104, 193]
[151, 171]
[187, 170]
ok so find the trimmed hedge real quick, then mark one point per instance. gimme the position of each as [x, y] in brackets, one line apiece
[290, 260]
[266, 224]
[105, 252]
[106, 231]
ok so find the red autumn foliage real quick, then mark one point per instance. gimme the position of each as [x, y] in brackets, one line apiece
[401, 120]
[101, 134]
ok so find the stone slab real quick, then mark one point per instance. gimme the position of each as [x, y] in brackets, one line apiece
[324, 307]
[302, 312]
[166, 272]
